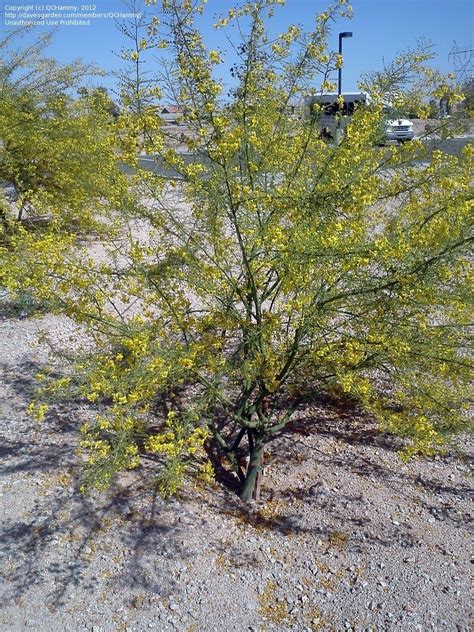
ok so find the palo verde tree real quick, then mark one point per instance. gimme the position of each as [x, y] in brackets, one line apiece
[57, 151]
[280, 266]
[60, 157]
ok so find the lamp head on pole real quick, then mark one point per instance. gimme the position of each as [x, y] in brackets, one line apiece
[339, 73]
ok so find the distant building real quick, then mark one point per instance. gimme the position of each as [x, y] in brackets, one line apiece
[171, 113]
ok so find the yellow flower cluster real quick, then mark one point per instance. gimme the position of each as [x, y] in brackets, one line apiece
[281, 263]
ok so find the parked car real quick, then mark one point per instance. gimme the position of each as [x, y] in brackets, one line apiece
[400, 130]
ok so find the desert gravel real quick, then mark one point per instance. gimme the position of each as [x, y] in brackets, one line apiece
[347, 536]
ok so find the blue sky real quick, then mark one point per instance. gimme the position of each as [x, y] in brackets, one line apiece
[380, 29]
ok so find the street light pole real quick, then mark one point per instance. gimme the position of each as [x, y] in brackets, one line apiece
[339, 76]
[339, 88]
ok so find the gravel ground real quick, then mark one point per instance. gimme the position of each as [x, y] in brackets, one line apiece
[347, 536]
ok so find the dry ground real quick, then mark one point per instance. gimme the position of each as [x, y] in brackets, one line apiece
[347, 537]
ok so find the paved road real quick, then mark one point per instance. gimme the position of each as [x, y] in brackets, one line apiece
[157, 165]
[452, 146]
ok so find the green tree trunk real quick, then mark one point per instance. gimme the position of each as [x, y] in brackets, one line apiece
[253, 471]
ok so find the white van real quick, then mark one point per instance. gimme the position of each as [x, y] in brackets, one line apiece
[329, 107]
[399, 129]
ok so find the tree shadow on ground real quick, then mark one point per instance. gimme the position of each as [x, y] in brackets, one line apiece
[22, 307]
[50, 530]
[56, 539]
[362, 450]
[341, 418]
[379, 460]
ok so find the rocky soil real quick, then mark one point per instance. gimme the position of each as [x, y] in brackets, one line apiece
[347, 536]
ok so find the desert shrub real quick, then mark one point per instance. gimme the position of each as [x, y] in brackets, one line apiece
[279, 266]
